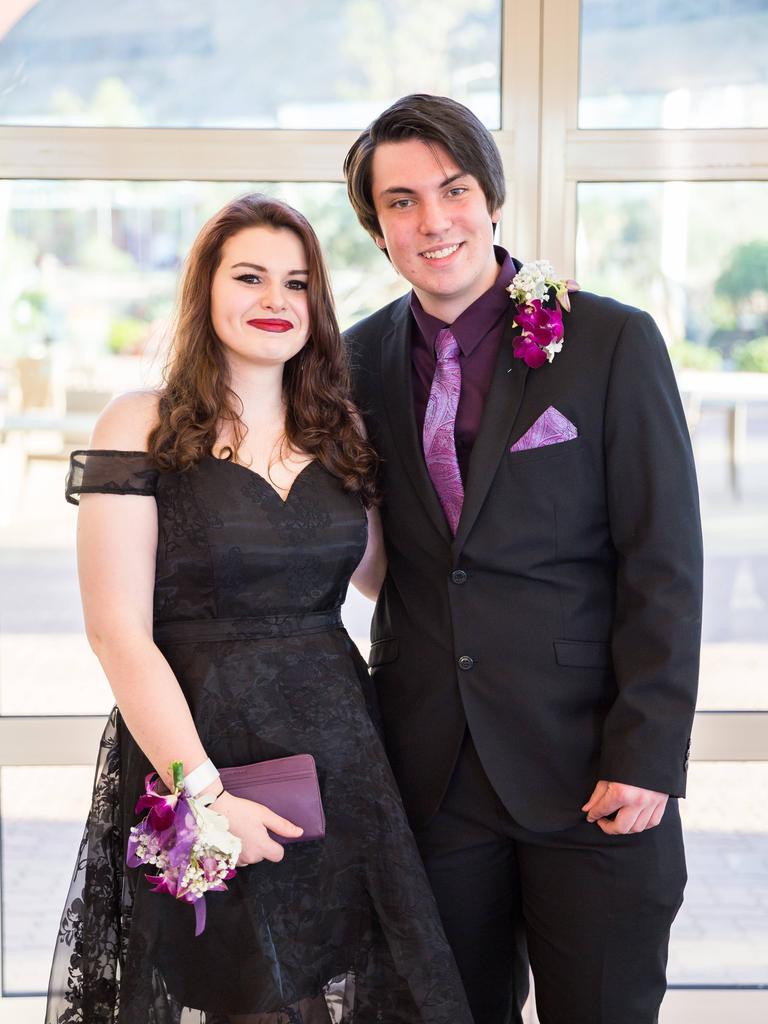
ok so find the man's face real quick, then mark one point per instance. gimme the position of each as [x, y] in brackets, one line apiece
[435, 225]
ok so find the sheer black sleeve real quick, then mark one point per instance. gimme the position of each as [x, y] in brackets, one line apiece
[109, 472]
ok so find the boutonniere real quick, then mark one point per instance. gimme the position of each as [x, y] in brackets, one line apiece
[539, 296]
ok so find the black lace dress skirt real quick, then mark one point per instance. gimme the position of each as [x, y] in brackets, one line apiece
[341, 931]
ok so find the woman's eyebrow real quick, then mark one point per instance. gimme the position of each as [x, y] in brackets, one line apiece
[263, 270]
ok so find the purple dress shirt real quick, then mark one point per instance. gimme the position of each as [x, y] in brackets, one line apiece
[478, 330]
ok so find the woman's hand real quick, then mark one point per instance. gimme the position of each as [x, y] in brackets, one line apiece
[249, 821]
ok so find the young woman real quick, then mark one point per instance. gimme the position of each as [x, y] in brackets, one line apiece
[220, 523]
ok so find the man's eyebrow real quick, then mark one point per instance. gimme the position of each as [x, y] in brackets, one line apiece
[453, 177]
[263, 270]
[404, 190]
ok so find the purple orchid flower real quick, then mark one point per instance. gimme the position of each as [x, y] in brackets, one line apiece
[540, 322]
[541, 326]
[161, 807]
[168, 882]
[532, 354]
[210, 868]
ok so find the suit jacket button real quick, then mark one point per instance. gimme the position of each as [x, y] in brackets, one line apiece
[465, 662]
[458, 576]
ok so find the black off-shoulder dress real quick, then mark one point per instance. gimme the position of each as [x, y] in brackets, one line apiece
[248, 589]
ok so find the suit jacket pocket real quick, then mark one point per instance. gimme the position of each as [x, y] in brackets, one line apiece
[383, 652]
[583, 653]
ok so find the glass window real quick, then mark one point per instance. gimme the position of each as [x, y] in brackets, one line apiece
[674, 64]
[46, 665]
[720, 936]
[43, 816]
[88, 267]
[88, 273]
[191, 63]
[695, 254]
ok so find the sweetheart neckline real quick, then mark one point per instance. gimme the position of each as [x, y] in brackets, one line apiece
[253, 472]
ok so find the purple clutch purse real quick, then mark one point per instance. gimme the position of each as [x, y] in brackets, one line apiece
[286, 785]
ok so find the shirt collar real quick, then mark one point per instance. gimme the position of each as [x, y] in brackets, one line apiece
[471, 326]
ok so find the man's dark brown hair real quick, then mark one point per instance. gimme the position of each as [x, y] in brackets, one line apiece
[434, 120]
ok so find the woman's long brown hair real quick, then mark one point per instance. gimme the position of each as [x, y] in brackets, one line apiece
[197, 400]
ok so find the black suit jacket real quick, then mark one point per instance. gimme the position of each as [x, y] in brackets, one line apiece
[562, 623]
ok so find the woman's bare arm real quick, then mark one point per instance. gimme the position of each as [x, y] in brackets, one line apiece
[369, 575]
[116, 545]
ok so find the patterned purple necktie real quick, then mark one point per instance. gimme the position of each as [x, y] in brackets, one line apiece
[439, 425]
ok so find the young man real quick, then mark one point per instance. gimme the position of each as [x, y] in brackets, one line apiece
[535, 644]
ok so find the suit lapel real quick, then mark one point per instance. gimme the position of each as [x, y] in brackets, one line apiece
[397, 380]
[501, 409]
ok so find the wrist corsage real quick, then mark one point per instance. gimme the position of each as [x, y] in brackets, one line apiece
[539, 297]
[189, 845]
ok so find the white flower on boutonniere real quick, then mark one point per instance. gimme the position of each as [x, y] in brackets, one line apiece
[539, 296]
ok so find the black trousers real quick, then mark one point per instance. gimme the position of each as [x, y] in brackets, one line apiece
[591, 913]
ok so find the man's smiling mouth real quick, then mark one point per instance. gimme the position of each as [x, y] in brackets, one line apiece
[441, 254]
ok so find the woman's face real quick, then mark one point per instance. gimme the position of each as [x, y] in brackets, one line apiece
[259, 297]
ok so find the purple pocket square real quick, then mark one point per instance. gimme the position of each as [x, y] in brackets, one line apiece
[550, 428]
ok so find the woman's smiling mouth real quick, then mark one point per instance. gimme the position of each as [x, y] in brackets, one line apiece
[274, 325]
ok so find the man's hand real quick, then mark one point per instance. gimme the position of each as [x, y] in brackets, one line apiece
[638, 809]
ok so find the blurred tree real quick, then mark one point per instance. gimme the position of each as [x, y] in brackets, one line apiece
[127, 336]
[619, 241]
[745, 278]
[752, 356]
[29, 314]
[112, 103]
[19, 276]
[418, 47]
[688, 355]
[98, 253]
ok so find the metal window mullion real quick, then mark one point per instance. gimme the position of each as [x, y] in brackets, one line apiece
[36, 740]
[664, 154]
[717, 736]
[148, 154]
[137, 154]
[520, 118]
[559, 111]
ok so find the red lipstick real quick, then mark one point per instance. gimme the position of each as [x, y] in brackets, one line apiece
[276, 326]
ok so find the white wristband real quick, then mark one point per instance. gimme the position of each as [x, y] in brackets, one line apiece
[201, 777]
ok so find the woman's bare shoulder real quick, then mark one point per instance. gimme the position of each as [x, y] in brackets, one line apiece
[126, 422]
